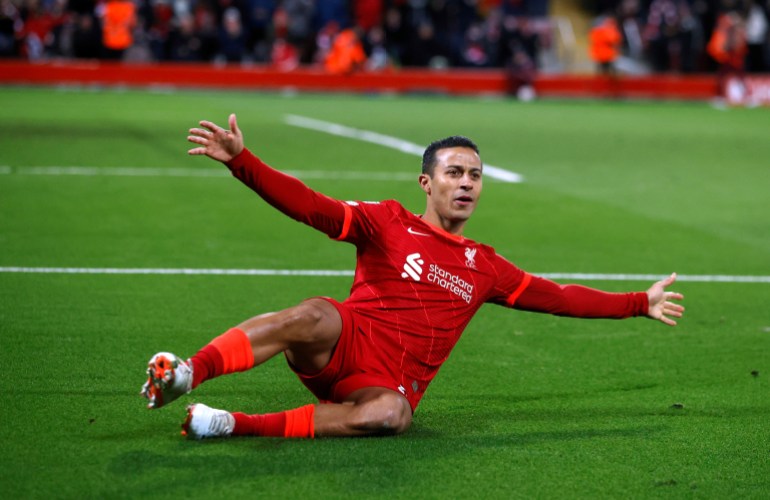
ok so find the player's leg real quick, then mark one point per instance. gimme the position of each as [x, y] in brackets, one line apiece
[366, 412]
[307, 333]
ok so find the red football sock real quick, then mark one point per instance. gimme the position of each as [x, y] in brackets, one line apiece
[297, 423]
[229, 353]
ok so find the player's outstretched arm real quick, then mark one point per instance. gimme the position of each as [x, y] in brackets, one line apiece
[286, 193]
[215, 142]
[660, 305]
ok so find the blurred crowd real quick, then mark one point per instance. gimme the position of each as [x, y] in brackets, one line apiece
[684, 36]
[347, 35]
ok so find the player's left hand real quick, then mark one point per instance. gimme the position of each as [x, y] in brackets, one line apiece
[660, 305]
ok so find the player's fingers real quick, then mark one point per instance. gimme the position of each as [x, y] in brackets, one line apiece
[213, 128]
[667, 321]
[209, 125]
[198, 140]
[672, 311]
[197, 151]
[673, 307]
[666, 282]
[668, 307]
[233, 121]
[674, 296]
[201, 133]
[669, 281]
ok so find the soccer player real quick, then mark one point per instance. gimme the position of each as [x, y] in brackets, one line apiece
[418, 282]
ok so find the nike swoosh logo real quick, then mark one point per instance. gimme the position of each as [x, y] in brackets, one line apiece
[416, 233]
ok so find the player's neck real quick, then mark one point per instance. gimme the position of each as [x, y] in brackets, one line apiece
[452, 226]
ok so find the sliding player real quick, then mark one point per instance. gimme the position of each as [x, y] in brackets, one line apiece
[418, 282]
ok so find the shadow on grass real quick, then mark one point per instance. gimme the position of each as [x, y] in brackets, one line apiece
[386, 466]
[491, 428]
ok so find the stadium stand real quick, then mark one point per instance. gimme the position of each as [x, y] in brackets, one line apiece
[533, 42]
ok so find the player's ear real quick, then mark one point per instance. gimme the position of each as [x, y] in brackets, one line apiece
[424, 181]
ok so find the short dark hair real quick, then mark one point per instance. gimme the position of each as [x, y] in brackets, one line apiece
[455, 141]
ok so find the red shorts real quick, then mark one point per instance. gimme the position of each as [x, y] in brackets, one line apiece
[355, 364]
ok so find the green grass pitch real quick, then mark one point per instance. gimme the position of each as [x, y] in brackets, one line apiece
[528, 406]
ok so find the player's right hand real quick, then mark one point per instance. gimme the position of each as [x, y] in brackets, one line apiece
[216, 142]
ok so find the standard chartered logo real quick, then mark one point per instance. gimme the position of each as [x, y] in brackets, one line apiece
[451, 282]
[438, 276]
[413, 267]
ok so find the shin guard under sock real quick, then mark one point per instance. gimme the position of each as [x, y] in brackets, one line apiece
[297, 423]
[229, 353]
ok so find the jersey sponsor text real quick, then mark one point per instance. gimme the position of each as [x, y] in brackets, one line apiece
[450, 282]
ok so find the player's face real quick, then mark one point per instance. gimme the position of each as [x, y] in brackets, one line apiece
[454, 189]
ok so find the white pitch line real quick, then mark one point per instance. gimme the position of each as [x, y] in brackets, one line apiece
[197, 172]
[388, 141]
[693, 278]
[121, 171]
[181, 271]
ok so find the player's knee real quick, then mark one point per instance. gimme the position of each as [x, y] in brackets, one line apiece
[308, 314]
[310, 320]
[389, 413]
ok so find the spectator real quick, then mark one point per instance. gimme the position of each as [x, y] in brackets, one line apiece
[461, 15]
[161, 23]
[299, 27]
[396, 34]
[324, 41]
[494, 41]
[185, 44]
[474, 52]
[521, 71]
[689, 36]
[367, 13]
[728, 48]
[728, 42]
[662, 35]
[232, 37]
[422, 47]
[518, 31]
[756, 38]
[631, 25]
[605, 41]
[9, 21]
[439, 15]
[118, 22]
[284, 56]
[206, 28]
[377, 55]
[346, 54]
[86, 37]
[259, 26]
[331, 11]
[37, 33]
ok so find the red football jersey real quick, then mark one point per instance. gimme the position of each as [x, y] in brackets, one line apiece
[420, 286]
[416, 285]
